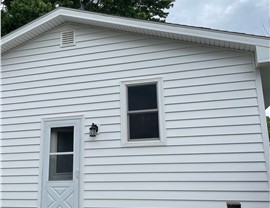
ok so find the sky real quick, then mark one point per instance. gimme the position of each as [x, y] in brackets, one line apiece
[245, 16]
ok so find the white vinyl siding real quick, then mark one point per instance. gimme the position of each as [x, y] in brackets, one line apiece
[214, 146]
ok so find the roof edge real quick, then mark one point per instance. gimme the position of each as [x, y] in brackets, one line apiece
[59, 16]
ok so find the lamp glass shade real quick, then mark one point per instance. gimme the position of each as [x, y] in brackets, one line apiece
[93, 130]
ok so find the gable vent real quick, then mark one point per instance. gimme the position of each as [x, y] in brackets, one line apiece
[68, 38]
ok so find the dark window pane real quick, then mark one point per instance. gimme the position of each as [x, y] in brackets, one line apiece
[142, 97]
[62, 139]
[65, 141]
[61, 167]
[143, 125]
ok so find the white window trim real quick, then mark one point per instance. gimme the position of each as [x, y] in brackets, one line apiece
[124, 117]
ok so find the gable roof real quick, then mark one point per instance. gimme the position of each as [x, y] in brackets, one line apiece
[260, 45]
[199, 35]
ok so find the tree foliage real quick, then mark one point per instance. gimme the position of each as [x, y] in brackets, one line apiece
[17, 13]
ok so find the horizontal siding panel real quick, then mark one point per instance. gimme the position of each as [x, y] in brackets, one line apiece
[18, 157]
[54, 39]
[230, 121]
[102, 113]
[20, 164]
[117, 57]
[137, 203]
[98, 46]
[144, 46]
[82, 108]
[210, 88]
[176, 186]
[41, 45]
[22, 134]
[104, 136]
[106, 98]
[94, 94]
[70, 88]
[215, 113]
[177, 177]
[20, 171]
[215, 139]
[114, 140]
[19, 187]
[176, 195]
[21, 149]
[110, 83]
[94, 203]
[27, 126]
[158, 65]
[100, 87]
[107, 120]
[204, 80]
[94, 42]
[210, 96]
[62, 102]
[196, 168]
[84, 93]
[19, 203]
[185, 81]
[26, 195]
[82, 55]
[207, 149]
[62, 95]
[21, 141]
[244, 157]
[112, 47]
[20, 179]
[214, 130]
[212, 105]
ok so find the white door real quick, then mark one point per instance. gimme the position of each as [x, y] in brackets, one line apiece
[60, 185]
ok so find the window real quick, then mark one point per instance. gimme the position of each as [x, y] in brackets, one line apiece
[61, 153]
[141, 113]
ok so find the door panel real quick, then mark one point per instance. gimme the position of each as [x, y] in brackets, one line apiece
[60, 195]
[60, 180]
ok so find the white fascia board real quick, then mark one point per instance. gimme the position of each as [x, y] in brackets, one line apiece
[262, 56]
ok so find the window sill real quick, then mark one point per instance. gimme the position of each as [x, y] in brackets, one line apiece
[142, 143]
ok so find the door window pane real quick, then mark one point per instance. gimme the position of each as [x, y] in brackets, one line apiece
[61, 167]
[62, 139]
[61, 153]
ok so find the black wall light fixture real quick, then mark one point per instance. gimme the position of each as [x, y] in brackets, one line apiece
[93, 130]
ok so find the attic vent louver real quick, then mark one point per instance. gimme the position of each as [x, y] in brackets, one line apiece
[68, 38]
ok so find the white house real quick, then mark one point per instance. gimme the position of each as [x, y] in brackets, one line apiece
[179, 111]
